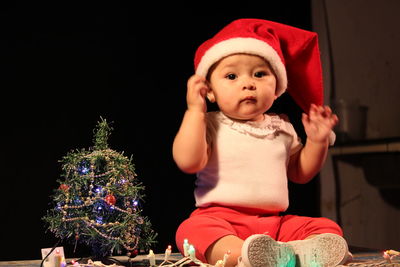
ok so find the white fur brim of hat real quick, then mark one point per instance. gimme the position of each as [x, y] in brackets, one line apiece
[247, 46]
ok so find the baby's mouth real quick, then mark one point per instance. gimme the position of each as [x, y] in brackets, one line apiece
[249, 99]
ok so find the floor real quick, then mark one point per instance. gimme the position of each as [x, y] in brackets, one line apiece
[361, 258]
[366, 257]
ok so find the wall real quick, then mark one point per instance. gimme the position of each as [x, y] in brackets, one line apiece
[365, 39]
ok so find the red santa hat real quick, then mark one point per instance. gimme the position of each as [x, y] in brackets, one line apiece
[293, 54]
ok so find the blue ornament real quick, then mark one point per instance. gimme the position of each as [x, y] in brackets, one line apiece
[78, 201]
[84, 167]
[59, 206]
[99, 208]
[97, 189]
[99, 219]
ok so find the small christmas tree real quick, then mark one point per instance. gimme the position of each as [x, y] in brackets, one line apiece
[97, 201]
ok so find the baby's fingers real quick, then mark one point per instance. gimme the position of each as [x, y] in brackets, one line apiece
[328, 116]
[320, 113]
[197, 85]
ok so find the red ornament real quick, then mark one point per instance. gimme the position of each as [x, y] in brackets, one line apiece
[64, 187]
[110, 199]
[133, 253]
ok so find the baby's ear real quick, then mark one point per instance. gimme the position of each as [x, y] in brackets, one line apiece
[210, 95]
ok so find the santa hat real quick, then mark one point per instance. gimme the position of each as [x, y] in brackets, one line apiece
[293, 54]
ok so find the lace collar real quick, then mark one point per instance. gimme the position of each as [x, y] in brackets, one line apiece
[268, 128]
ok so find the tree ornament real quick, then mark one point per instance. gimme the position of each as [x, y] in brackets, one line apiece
[64, 187]
[110, 199]
[132, 253]
[98, 190]
[90, 205]
[84, 167]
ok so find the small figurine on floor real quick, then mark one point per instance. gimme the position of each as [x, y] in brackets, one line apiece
[390, 254]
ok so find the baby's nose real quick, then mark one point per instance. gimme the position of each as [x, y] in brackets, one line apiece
[249, 84]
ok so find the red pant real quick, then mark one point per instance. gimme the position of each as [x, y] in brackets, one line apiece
[206, 225]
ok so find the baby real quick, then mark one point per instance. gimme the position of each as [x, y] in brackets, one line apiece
[244, 156]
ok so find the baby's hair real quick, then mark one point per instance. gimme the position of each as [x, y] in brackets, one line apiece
[211, 69]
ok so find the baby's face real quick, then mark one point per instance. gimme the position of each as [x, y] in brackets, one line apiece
[244, 86]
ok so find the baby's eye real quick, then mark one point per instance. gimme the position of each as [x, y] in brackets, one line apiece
[231, 76]
[260, 74]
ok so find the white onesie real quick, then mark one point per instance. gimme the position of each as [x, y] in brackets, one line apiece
[248, 163]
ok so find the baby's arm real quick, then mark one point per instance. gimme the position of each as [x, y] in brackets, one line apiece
[190, 146]
[306, 163]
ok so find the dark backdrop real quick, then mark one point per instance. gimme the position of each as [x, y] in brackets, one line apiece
[64, 64]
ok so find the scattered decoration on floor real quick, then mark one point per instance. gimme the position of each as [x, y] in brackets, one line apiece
[152, 258]
[97, 201]
[390, 255]
[189, 258]
[389, 260]
[91, 263]
[59, 259]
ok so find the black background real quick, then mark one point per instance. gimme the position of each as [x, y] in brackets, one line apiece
[64, 64]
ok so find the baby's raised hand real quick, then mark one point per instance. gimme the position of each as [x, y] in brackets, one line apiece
[319, 123]
[197, 88]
